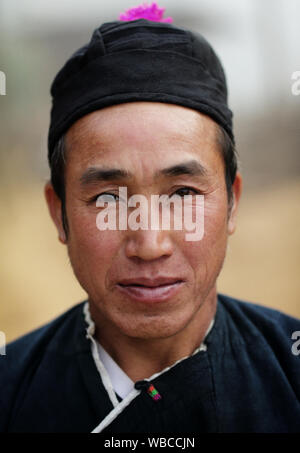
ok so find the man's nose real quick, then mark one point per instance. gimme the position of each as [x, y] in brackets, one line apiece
[149, 244]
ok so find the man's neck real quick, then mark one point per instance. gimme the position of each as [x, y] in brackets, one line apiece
[141, 358]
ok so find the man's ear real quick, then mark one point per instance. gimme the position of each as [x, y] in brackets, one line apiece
[236, 194]
[54, 205]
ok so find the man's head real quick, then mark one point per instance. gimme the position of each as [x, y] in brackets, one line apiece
[168, 143]
[143, 140]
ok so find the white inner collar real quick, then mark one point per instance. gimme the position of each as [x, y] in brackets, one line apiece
[121, 383]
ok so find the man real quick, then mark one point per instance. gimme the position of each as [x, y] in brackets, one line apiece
[155, 348]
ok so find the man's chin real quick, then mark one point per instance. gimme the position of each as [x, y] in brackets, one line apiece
[151, 328]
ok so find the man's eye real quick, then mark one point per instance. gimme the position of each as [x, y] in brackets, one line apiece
[185, 191]
[106, 197]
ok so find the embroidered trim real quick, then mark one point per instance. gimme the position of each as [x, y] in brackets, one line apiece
[116, 411]
[90, 331]
[153, 393]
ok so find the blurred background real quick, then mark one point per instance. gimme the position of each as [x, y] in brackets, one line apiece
[258, 43]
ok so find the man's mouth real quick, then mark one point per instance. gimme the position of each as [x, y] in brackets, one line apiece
[150, 290]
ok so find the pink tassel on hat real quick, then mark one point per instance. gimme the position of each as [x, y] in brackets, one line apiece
[151, 12]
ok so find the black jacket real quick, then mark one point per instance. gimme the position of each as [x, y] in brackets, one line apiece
[248, 380]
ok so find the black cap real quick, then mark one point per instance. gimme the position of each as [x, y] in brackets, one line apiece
[139, 60]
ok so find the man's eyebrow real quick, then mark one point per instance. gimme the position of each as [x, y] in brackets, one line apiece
[191, 167]
[95, 174]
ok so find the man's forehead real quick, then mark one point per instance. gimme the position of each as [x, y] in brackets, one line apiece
[140, 121]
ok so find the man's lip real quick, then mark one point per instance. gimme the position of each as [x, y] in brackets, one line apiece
[150, 282]
[151, 294]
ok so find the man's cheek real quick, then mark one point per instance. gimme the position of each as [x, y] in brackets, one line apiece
[211, 249]
[215, 220]
[86, 239]
[101, 244]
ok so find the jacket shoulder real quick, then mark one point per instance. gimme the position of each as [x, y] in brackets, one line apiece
[266, 333]
[262, 319]
[24, 355]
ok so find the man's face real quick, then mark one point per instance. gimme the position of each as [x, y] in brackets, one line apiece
[143, 139]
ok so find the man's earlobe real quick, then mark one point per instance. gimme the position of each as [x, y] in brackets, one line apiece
[236, 194]
[54, 206]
